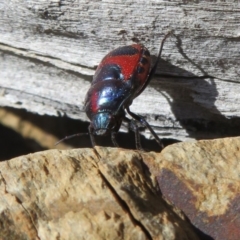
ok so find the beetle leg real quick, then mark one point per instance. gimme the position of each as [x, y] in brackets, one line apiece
[146, 124]
[113, 137]
[134, 127]
[91, 133]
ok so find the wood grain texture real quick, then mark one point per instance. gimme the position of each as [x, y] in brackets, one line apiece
[49, 50]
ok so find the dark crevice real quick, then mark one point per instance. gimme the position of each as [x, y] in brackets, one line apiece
[125, 207]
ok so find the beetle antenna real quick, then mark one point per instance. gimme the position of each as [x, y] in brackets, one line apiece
[158, 57]
[162, 43]
[71, 136]
[153, 70]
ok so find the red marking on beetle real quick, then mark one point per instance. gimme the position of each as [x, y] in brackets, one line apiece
[128, 64]
[94, 103]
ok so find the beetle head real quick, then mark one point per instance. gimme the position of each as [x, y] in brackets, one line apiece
[104, 123]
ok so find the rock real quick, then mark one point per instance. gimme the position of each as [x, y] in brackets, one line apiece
[203, 179]
[107, 193]
[100, 193]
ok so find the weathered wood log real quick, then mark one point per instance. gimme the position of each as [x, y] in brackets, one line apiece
[49, 50]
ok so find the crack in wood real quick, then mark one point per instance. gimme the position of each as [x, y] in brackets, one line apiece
[48, 60]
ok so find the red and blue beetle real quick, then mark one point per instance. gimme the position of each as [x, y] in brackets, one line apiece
[121, 76]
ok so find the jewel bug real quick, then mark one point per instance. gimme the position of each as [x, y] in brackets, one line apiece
[121, 76]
